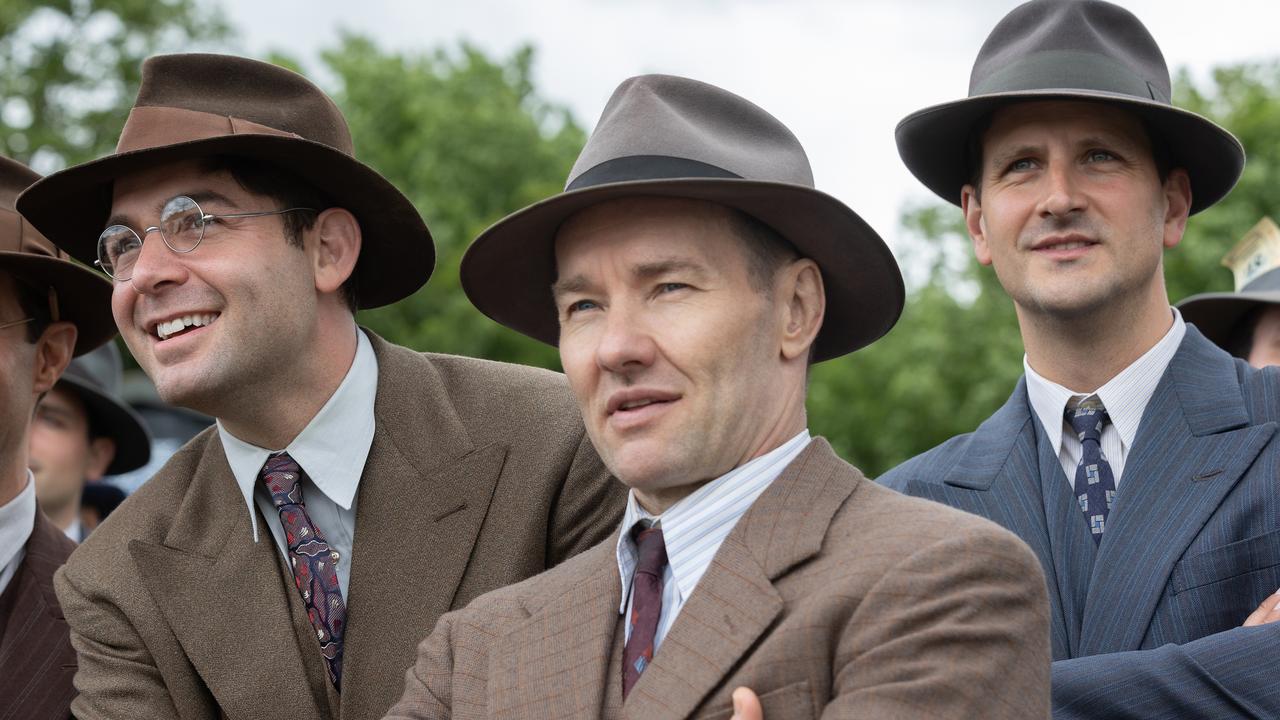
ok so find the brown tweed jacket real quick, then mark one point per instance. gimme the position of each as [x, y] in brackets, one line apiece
[36, 659]
[479, 475]
[832, 596]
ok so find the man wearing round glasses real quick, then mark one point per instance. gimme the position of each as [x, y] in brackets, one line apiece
[285, 563]
[50, 310]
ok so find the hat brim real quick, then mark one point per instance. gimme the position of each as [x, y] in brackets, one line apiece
[1218, 314]
[117, 421]
[84, 295]
[509, 270]
[396, 257]
[933, 142]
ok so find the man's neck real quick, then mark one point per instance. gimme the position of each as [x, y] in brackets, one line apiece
[1083, 353]
[13, 476]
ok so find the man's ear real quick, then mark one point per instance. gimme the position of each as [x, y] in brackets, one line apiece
[337, 248]
[54, 348]
[102, 450]
[1177, 195]
[802, 304]
[972, 209]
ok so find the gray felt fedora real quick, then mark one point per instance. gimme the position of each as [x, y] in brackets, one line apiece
[96, 378]
[1255, 264]
[669, 136]
[1072, 50]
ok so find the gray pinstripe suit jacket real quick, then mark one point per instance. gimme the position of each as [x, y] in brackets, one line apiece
[1147, 624]
[831, 597]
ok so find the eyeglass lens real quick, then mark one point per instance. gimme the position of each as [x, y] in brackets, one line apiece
[181, 227]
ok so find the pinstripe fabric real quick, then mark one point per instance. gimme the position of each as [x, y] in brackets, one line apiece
[1148, 625]
[831, 596]
[694, 528]
[36, 658]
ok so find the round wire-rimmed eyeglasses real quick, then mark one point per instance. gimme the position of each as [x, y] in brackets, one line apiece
[182, 226]
[13, 323]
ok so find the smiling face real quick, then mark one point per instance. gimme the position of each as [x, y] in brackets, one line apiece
[680, 364]
[1072, 212]
[221, 327]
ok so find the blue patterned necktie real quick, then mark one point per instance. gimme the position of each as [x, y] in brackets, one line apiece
[1095, 485]
[312, 561]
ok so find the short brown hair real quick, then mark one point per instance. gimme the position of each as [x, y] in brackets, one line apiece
[767, 250]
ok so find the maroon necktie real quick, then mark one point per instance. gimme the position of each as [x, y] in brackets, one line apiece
[646, 603]
[312, 561]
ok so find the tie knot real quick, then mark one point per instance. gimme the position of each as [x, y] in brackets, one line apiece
[283, 479]
[651, 551]
[1087, 419]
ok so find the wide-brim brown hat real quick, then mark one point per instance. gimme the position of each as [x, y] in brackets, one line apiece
[1069, 50]
[96, 378]
[669, 136]
[80, 295]
[198, 105]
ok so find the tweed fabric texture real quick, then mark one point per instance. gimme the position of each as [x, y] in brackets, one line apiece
[1148, 623]
[453, 465]
[832, 597]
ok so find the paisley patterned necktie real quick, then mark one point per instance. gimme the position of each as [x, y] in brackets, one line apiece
[1095, 485]
[312, 560]
[646, 602]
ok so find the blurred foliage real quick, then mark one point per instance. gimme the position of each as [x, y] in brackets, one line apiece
[69, 69]
[956, 354]
[468, 139]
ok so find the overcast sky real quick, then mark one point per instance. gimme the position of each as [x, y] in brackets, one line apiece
[839, 74]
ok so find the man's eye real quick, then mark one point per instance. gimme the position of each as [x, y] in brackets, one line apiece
[671, 287]
[1021, 165]
[579, 306]
[1100, 156]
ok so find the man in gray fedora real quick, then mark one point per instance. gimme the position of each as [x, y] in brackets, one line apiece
[690, 273]
[284, 563]
[51, 309]
[1245, 323]
[1137, 459]
[81, 432]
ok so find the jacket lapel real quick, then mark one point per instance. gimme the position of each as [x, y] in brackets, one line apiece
[224, 597]
[1194, 444]
[422, 499]
[736, 601]
[998, 476]
[552, 664]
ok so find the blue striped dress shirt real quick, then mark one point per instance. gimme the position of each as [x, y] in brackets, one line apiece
[694, 527]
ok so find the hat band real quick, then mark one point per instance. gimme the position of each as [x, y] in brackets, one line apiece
[646, 167]
[1068, 71]
[17, 235]
[156, 126]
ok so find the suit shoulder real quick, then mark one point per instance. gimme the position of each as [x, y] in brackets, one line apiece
[929, 466]
[1261, 390]
[498, 390]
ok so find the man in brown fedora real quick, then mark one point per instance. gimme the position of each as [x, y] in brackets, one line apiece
[1137, 459]
[284, 563]
[1245, 323]
[83, 431]
[690, 273]
[50, 310]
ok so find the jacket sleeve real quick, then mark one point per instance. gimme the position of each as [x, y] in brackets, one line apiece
[588, 507]
[428, 682]
[116, 677]
[1227, 674]
[960, 629]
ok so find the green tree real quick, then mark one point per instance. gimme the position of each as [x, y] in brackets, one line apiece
[69, 69]
[954, 357]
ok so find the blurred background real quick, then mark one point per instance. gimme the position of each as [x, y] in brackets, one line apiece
[476, 109]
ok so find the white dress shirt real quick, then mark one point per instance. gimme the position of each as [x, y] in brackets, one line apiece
[331, 450]
[694, 528]
[1124, 396]
[17, 519]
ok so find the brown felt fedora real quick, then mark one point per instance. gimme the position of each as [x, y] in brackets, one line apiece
[96, 378]
[197, 105]
[79, 295]
[1069, 50]
[669, 136]
[1255, 264]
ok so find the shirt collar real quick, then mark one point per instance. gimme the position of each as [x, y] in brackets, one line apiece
[17, 519]
[1125, 396]
[694, 527]
[332, 448]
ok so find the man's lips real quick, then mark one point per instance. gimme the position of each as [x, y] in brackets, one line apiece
[634, 399]
[177, 324]
[1063, 247]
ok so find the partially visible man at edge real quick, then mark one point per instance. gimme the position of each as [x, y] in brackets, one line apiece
[50, 310]
[284, 563]
[690, 273]
[1137, 459]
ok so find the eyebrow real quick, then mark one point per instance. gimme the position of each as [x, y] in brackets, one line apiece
[642, 271]
[200, 196]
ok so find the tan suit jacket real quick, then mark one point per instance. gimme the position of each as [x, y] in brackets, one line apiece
[36, 659]
[479, 475]
[832, 597]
